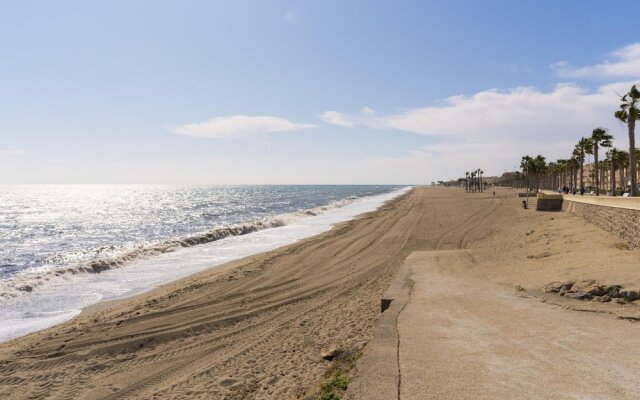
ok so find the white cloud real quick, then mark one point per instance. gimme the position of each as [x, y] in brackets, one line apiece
[492, 129]
[336, 118]
[622, 63]
[367, 111]
[366, 117]
[239, 126]
[523, 112]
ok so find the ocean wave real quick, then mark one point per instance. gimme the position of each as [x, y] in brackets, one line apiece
[26, 282]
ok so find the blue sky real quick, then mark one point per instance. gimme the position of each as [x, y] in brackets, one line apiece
[303, 91]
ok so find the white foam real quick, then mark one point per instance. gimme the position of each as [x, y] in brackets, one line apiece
[63, 300]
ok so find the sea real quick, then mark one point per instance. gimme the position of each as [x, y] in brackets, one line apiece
[66, 247]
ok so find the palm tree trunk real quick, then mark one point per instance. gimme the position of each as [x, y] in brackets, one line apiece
[633, 167]
[581, 173]
[595, 167]
[613, 176]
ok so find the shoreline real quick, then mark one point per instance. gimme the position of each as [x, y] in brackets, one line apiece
[259, 328]
[42, 307]
[223, 321]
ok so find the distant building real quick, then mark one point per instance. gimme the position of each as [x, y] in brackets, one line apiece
[589, 178]
[513, 179]
[490, 180]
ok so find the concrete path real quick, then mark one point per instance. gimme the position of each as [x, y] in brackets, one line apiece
[461, 337]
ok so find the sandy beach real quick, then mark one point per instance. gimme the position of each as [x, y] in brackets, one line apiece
[258, 328]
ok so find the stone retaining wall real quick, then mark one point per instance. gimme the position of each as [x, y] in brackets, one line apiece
[624, 222]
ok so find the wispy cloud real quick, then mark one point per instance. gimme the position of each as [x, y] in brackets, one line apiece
[336, 118]
[621, 63]
[239, 126]
[366, 117]
[493, 128]
[516, 113]
[520, 112]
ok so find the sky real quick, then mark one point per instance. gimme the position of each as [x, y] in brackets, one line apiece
[305, 92]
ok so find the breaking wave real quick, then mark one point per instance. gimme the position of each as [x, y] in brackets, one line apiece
[28, 281]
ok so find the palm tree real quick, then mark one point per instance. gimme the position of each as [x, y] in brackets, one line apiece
[566, 172]
[628, 113]
[599, 137]
[605, 165]
[473, 181]
[517, 180]
[575, 165]
[540, 168]
[466, 181]
[480, 172]
[583, 147]
[614, 158]
[623, 162]
[637, 152]
[525, 164]
[550, 181]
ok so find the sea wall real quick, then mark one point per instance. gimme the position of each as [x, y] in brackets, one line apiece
[549, 202]
[623, 218]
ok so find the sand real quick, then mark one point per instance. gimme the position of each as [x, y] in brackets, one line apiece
[257, 328]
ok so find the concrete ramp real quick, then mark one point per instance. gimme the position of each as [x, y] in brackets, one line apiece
[379, 368]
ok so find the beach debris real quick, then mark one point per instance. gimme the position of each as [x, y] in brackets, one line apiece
[558, 287]
[629, 294]
[588, 286]
[552, 287]
[541, 255]
[579, 295]
[589, 289]
[331, 353]
[603, 299]
[228, 381]
[613, 290]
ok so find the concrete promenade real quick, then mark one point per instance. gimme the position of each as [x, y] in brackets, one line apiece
[630, 203]
[449, 334]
